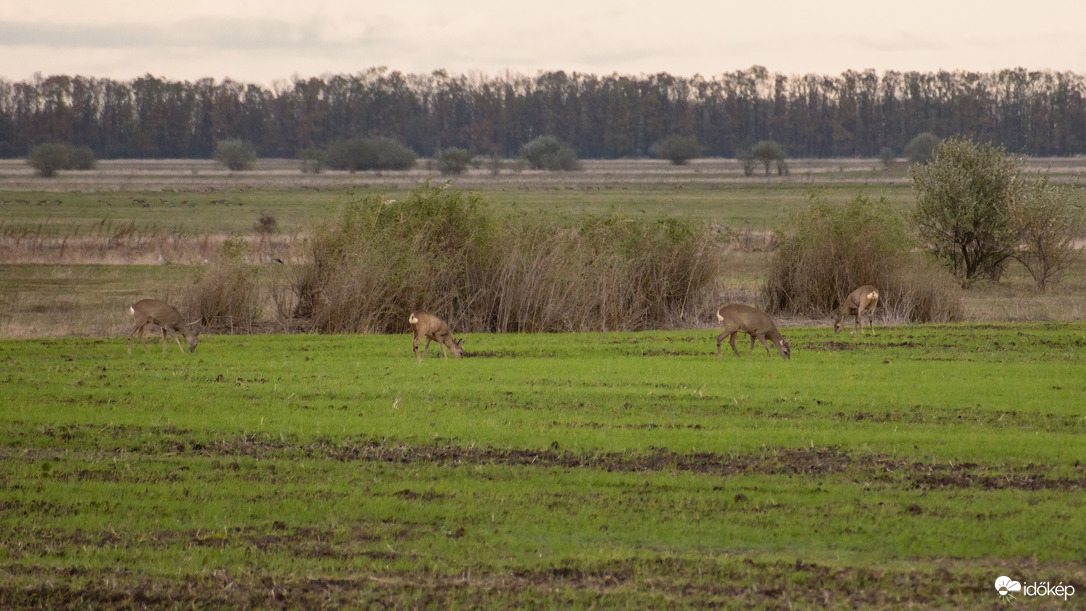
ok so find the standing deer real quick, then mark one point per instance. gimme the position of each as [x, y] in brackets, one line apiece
[147, 312]
[738, 317]
[433, 328]
[864, 298]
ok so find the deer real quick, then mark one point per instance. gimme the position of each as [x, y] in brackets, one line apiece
[147, 312]
[431, 327]
[738, 318]
[865, 298]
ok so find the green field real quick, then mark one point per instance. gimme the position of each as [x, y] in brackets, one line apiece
[910, 469]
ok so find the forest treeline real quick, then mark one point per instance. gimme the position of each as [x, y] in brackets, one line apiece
[856, 113]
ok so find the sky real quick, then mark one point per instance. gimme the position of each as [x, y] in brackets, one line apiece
[275, 41]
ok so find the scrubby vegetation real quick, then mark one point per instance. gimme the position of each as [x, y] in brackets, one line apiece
[446, 251]
[830, 249]
[237, 155]
[550, 153]
[48, 159]
[359, 154]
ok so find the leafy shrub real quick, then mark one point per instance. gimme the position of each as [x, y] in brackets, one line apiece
[453, 160]
[1047, 226]
[550, 153]
[360, 154]
[444, 251]
[921, 149]
[48, 159]
[768, 152]
[963, 207]
[831, 249]
[679, 149]
[237, 155]
[81, 158]
[313, 160]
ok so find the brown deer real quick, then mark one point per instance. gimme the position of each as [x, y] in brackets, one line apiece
[742, 318]
[147, 312]
[864, 298]
[433, 328]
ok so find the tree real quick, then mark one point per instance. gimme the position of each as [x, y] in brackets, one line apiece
[235, 154]
[48, 159]
[679, 149]
[963, 210]
[768, 151]
[550, 153]
[921, 149]
[1047, 226]
[453, 160]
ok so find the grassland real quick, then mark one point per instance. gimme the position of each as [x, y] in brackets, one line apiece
[906, 470]
[612, 470]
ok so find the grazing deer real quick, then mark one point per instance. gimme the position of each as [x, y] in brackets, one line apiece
[864, 298]
[148, 312]
[738, 317]
[433, 328]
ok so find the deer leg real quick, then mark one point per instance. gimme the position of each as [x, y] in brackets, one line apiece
[177, 338]
[731, 341]
[143, 328]
[415, 348]
[720, 340]
[426, 350]
[444, 353]
[761, 338]
[131, 333]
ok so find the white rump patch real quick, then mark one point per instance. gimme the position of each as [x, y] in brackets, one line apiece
[131, 311]
[873, 295]
[413, 320]
[719, 317]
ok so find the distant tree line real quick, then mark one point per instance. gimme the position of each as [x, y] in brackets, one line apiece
[864, 113]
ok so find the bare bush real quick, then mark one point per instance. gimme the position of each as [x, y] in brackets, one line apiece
[226, 298]
[1047, 226]
[831, 249]
[442, 250]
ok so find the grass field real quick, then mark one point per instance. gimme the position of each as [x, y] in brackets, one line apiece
[614, 470]
[906, 470]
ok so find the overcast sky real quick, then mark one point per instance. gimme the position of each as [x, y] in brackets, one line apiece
[264, 41]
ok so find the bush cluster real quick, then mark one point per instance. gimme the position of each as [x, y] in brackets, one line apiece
[237, 155]
[550, 153]
[444, 251]
[360, 154]
[48, 159]
[678, 149]
[226, 298]
[830, 249]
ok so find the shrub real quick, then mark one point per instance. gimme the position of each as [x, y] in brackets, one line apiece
[768, 152]
[226, 298]
[81, 158]
[831, 249]
[679, 149]
[921, 149]
[313, 160]
[453, 160]
[963, 207]
[237, 155]
[48, 159]
[443, 250]
[360, 154]
[550, 153]
[1047, 226]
